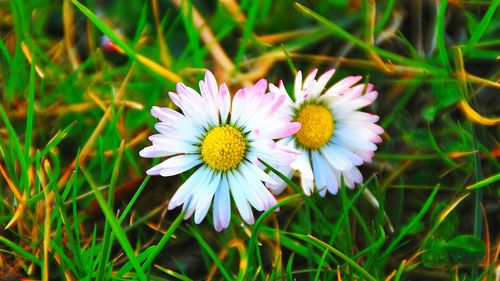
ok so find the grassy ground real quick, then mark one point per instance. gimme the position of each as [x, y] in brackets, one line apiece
[75, 202]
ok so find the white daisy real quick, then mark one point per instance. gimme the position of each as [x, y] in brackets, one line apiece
[335, 136]
[224, 141]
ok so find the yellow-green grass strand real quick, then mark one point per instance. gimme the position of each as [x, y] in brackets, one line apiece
[485, 182]
[172, 273]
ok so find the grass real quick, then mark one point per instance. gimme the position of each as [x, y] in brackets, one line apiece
[76, 203]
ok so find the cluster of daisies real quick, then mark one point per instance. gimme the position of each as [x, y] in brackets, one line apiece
[320, 134]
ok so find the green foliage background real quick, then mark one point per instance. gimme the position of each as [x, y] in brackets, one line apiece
[76, 204]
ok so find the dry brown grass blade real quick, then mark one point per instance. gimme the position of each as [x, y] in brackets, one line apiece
[98, 101]
[20, 198]
[234, 9]
[450, 208]
[46, 232]
[11, 185]
[281, 37]
[27, 54]
[131, 144]
[213, 269]
[69, 34]
[220, 57]
[87, 148]
[463, 76]
[238, 244]
[476, 117]
[158, 68]
[371, 35]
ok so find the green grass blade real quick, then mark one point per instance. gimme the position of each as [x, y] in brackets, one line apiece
[211, 253]
[440, 28]
[335, 29]
[481, 29]
[115, 226]
[410, 225]
[163, 241]
[325, 246]
[485, 182]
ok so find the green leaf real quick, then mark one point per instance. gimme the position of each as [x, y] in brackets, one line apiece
[466, 249]
[436, 255]
[446, 94]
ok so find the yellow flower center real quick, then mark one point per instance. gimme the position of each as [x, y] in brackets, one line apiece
[317, 126]
[223, 148]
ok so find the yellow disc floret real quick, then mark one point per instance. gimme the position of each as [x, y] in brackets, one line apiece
[317, 126]
[223, 148]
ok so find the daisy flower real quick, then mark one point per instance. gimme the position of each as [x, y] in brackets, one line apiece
[222, 138]
[335, 136]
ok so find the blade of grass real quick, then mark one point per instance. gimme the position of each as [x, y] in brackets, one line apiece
[481, 29]
[130, 204]
[30, 113]
[124, 47]
[172, 273]
[412, 223]
[247, 33]
[335, 29]
[107, 239]
[19, 250]
[325, 246]
[485, 182]
[210, 252]
[115, 226]
[478, 194]
[440, 30]
[163, 241]
[385, 17]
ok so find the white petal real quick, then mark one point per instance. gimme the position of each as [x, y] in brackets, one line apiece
[224, 102]
[190, 186]
[239, 199]
[175, 165]
[336, 158]
[261, 175]
[204, 198]
[280, 185]
[222, 205]
[298, 84]
[343, 84]
[356, 142]
[173, 145]
[319, 174]
[321, 83]
[301, 163]
[256, 189]
[309, 78]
